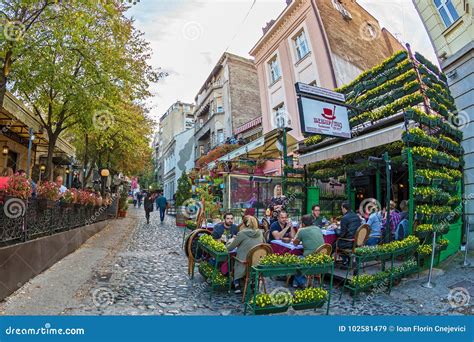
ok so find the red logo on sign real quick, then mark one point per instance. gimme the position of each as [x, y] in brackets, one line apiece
[329, 113]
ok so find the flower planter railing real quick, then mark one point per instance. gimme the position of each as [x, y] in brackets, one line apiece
[22, 221]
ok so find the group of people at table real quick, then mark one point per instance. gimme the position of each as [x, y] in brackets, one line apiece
[313, 232]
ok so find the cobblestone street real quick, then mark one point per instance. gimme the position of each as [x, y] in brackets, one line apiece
[146, 274]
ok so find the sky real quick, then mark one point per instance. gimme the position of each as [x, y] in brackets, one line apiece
[189, 36]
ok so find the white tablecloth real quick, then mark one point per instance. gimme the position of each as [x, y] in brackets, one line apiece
[328, 232]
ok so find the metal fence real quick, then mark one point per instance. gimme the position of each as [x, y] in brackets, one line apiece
[21, 221]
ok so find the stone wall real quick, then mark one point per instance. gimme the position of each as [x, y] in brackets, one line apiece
[350, 39]
[21, 262]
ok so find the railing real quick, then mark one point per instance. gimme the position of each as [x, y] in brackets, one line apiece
[22, 221]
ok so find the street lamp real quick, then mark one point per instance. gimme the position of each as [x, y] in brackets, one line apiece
[104, 173]
[5, 150]
[42, 169]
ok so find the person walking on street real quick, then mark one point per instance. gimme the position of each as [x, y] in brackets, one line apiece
[161, 203]
[148, 205]
[139, 199]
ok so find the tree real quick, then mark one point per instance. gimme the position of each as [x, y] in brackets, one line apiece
[183, 192]
[17, 19]
[91, 64]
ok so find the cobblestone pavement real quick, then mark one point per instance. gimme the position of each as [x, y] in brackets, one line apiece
[150, 277]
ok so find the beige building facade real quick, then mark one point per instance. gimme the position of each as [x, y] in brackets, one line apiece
[228, 99]
[326, 43]
[449, 24]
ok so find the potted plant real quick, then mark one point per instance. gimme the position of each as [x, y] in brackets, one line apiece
[271, 303]
[309, 298]
[68, 198]
[123, 204]
[18, 187]
[183, 193]
[47, 193]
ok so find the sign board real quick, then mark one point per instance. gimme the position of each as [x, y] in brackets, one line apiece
[320, 92]
[318, 117]
[322, 111]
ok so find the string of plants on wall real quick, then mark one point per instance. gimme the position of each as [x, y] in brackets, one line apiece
[437, 154]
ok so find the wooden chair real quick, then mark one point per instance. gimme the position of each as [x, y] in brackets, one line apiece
[266, 235]
[323, 249]
[265, 225]
[200, 219]
[360, 238]
[190, 248]
[252, 259]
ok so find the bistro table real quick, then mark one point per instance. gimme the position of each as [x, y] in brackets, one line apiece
[280, 247]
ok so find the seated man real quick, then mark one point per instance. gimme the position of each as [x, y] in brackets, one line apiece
[316, 218]
[312, 238]
[309, 235]
[349, 224]
[281, 228]
[227, 226]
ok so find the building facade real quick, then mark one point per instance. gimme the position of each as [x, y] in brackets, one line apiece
[228, 99]
[16, 122]
[178, 157]
[450, 27]
[326, 43]
[178, 118]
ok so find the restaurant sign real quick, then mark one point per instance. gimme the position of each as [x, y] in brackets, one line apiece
[322, 111]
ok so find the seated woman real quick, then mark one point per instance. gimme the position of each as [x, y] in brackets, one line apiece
[375, 223]
[248, 237]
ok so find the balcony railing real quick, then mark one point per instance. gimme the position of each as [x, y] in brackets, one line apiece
[22, 221]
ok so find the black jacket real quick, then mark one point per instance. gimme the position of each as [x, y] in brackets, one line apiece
[349, 224]
[148, 204]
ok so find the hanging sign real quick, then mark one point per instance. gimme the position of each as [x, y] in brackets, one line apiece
[322, 111]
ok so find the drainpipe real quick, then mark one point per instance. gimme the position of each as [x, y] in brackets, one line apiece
[327, 48]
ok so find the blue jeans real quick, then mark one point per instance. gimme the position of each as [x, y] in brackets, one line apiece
[162, 213]
[372, 241]
[299, 279]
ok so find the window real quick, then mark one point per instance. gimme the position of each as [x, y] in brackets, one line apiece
[220, 136]
[275, 73]
[447, 11]
[340, 7]
[280, 117]
[301, 45]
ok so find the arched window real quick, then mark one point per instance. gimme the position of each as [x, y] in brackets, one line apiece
[447, 11]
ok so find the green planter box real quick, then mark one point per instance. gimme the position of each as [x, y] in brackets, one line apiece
[268, 309]
[306, 306]
[420, 180]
